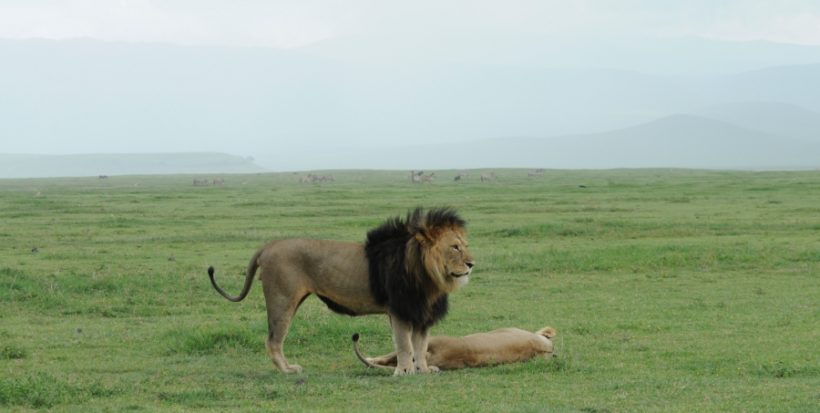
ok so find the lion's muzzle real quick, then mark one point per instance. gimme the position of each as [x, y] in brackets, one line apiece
[469, 265]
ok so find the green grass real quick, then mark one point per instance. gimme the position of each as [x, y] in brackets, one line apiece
[672, 290]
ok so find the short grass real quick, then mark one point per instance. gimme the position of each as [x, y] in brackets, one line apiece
[672, 290]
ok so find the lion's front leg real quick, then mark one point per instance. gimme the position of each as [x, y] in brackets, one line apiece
[402, 341]
[419, 339]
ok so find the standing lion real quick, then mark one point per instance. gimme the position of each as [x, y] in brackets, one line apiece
[405, 269]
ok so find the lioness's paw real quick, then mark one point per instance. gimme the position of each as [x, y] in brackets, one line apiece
[433, 369]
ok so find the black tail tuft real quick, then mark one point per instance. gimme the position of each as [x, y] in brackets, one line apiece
[211, 271]
[355, 338]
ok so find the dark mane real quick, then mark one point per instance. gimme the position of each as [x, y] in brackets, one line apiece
[407, 296]
[440, 217]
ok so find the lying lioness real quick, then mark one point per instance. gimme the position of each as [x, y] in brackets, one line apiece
[505, 345]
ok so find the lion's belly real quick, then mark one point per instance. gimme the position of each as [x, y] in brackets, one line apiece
[340, 274]
[351, 307]
[349, 291]
[335, 271]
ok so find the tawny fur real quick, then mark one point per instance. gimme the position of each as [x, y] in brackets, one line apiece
[427, 256]
[502, 346]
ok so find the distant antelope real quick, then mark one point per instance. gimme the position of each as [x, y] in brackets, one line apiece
[219, 181]
[311, 178]
[459, 177]
[487, 177]
[103, 176]
[428, 178]
[416, 176]
[201, 182]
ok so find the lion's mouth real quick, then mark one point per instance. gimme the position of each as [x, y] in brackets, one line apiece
[458, 275]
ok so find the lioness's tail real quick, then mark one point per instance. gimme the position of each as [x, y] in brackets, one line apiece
[252, 266]
[547, 332]
[362, 358]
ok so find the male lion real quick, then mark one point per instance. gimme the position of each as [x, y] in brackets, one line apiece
[406, 269]
[505, 345]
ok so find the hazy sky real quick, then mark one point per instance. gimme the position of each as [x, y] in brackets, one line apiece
[285, 24]
[388, 74]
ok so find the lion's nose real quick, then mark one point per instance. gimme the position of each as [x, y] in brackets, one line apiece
[469, 264]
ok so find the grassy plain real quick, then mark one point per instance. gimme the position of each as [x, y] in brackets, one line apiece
[672, 290]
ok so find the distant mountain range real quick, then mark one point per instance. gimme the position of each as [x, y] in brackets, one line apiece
[43, 166]
[779, 119]
[683, 141]
[330, 104]
[680, 141]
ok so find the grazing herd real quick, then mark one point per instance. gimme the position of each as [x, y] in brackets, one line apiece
[313, 179]
[416, 177]
[419, 177]
[208, 182]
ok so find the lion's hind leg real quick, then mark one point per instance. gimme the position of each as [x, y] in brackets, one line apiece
[281, 308]
[278, 357]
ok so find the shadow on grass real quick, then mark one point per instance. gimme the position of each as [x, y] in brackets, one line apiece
[212, 340]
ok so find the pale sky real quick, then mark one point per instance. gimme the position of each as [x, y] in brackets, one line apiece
[288, 24]
[392, 74]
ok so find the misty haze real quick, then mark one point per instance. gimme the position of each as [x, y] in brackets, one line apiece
[490, 93]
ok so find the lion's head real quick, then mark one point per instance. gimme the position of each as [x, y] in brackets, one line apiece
[439, 244]
[416, 262]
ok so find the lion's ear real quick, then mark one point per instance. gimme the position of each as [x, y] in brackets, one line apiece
[423, 238]
[424, 233]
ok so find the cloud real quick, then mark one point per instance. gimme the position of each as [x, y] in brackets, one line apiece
[292, 23]
[249, 23]
[801, 28]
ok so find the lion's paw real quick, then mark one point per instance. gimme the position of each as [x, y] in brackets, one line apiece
[403, 371]
[293, 368]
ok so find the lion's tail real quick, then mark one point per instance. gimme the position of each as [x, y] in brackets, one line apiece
[547, 332]
[362, 358]
[252, 266]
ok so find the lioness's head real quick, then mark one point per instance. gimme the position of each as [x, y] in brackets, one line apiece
[440, 244]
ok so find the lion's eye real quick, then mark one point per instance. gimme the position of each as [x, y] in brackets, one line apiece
[455, 247]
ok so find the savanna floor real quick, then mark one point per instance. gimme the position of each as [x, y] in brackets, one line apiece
[672, 290]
